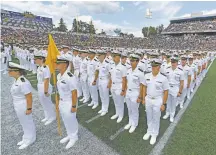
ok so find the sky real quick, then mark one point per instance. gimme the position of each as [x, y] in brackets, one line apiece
[129, 16]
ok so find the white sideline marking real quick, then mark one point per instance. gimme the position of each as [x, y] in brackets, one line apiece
[112, 137]
[157, 150]
[93, 118]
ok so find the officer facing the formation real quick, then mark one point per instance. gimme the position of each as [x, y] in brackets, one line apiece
[92, 82]
[84, 76]
[22, 100]
[135, 83]
[44, 88]
[155, 94]
[67, 89]
[117, 84]
[102, 74]
[187, 79]
[175, 77]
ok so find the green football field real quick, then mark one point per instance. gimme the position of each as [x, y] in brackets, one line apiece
[195, 134]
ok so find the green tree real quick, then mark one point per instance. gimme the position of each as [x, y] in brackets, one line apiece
[62, 27]
[91, 27]
[149, 31]
[75, 26]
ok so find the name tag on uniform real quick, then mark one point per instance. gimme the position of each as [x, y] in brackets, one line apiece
[159, 81]
[147, 79]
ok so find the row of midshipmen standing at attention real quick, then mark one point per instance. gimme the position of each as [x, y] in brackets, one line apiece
[155, 81]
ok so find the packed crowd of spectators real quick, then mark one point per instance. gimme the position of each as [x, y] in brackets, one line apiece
[190, 41]
[194, 25]
[22, 20]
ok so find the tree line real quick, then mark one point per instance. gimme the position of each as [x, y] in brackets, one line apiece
[79, 26]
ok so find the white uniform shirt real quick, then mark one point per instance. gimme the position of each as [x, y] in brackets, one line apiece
[20, 88]
[76, 62]
[103, 69]
[66, 83]
[194, 69]
[174, 77]
[156, 85]
[91, 68]
[83, 69]
[134, 79]
[117, 73]
[164, 66]
[187, 71]
[43, 72]
[142, 65]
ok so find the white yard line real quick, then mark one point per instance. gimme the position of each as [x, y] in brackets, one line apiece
[112, 137]
[93, 118]
[157, 150]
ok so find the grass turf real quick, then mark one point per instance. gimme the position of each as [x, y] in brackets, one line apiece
[196, 132]
[103, 127]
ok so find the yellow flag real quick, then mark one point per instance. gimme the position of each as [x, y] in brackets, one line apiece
[50, 61]
[52, 54]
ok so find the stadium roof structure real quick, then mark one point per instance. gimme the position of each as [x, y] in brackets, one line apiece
[199, 17]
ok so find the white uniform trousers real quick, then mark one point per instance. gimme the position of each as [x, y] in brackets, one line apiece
[85, 88]
[171, 105]
[48, 106]
[118, 102]
[26, 121]
[93, 91]
[153, 114]
[104, 94]
[182, 97]
[133, 110]
[69, 118]
[79, 88]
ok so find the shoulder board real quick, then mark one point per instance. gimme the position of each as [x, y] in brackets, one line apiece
[106, 61]
[147, 72]
[70, 74]
[142, 62]
[70, 53]
[44, 66]
[140, 70]
[107, 57]
[22, 79]
[169, 67]
[95, 60]
[163, 74]
[180, 68]
[123, 64]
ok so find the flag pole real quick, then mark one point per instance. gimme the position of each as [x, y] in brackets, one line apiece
[50, 61]
[57, 105]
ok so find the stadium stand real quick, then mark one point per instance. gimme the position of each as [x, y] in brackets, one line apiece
[185, 33]
[25, 20]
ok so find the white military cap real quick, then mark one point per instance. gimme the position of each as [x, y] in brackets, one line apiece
[190, 56]
[83, 51]
[65, 46]
[14, 66]
[124, 54]
[39, 54]
[134, 56]
[100, 51]
[138, 52]
[75, 49]
[174, 58]
[156, 62]
[92, 51]
[116, 52]
[184, 57]
[63, 58]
